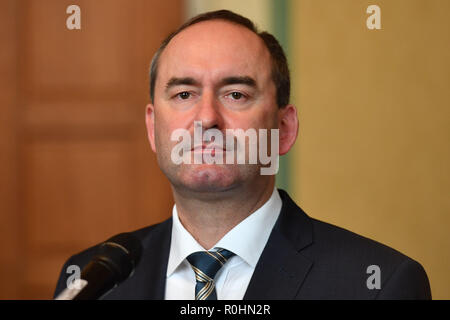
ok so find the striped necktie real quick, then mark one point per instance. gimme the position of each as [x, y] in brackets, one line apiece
[206, 264]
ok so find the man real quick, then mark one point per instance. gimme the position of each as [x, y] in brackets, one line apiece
[232, 234]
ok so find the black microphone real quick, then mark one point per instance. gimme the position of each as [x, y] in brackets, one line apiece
[114, 262]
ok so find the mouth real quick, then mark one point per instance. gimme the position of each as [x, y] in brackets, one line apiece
[211, 149]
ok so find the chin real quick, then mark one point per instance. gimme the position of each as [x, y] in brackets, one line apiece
[210, 178]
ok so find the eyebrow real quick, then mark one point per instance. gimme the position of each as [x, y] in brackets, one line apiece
[181, 81]
[249, 81]
[246, 80]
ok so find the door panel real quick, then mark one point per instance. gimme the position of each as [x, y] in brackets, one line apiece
[80, 168]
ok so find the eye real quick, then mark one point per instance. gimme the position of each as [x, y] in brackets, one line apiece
[236, 95]
[184, 95]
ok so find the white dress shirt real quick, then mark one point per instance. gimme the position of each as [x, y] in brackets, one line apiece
[247, 240]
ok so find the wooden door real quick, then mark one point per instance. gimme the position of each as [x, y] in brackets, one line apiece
[75, 165]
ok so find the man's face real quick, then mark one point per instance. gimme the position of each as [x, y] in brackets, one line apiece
[218, 73]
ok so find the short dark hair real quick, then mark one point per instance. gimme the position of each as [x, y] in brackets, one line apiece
[280, 69]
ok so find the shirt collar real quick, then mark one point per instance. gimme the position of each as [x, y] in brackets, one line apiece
[247, 239]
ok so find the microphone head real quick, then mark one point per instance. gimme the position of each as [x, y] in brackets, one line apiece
[120, 254]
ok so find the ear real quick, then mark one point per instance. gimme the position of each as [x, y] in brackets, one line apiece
[288, 125]
[150, 123]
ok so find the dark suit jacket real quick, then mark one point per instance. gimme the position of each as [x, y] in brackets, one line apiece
[304, 259]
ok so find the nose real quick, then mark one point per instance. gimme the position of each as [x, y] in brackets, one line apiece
[208, 112]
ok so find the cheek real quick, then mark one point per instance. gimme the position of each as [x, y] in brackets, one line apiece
[164, 127]
[161, 133]
[266, 120]
[271, 117]
[170, 119]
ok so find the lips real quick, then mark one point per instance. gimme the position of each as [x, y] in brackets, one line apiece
[209, 147]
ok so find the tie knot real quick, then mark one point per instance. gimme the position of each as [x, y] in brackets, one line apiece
[206, 264]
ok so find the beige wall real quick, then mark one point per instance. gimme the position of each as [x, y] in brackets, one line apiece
[373, 152]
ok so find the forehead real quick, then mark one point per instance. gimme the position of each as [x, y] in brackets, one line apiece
[215, 49]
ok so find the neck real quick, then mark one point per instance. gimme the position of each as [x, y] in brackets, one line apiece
[208, 217]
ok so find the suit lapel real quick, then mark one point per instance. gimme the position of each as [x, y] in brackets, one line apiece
[282, 268]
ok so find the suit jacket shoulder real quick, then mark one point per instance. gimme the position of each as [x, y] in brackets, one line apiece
[155, 240]
[323, 261]
[371, 269]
